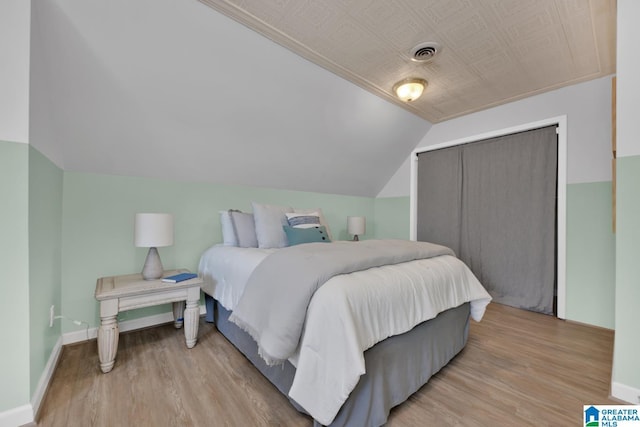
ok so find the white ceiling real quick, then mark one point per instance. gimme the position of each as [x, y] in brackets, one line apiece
[494, 51]
[173, 89]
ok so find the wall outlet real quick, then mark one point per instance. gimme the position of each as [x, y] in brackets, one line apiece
[52, 310]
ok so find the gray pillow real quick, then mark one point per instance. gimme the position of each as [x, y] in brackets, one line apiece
[244, 229]
[269, 220]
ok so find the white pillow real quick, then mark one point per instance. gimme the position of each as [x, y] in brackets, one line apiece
[303, 220]
[269, 220]
[228, 235]
[323, 221]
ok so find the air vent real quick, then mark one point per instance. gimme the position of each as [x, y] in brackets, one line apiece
[425, 52]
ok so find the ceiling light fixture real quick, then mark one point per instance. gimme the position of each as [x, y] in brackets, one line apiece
[408, 90]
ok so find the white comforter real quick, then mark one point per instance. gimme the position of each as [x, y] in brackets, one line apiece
[226, 269]
[358, 310]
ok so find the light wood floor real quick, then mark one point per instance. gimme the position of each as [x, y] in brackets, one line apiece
[518, 368]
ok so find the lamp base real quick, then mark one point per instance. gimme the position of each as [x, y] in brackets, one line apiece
[152, 269]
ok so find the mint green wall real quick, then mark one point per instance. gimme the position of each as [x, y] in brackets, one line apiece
[89, 227]
[45, 241]
[627, 342]
[97, 232]
[14, 286]
[590, 254]
[391, 218]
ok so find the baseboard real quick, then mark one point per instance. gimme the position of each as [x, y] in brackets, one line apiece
[124, 326]
[626, 393]
[27, 413]
[45, 378]
[16, 416]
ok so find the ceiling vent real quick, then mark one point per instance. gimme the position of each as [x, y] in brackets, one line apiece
[425, 52]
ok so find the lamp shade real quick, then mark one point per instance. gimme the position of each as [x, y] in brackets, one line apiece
[356, 225]
[152, 230]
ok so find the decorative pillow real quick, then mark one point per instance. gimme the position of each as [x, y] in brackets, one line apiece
[297, 236]
[323, 221]
[303, 220]
[244, 229]
[269, 220]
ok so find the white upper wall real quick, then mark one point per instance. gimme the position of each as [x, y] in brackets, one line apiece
[588, 109]
[173, 89]
[41, 130]
[627, 99]
[15, 22]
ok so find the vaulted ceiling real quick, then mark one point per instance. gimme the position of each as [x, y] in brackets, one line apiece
[175, 89]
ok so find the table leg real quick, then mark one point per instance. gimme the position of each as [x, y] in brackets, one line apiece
[192, 317]
[178, 314]
[108, 334]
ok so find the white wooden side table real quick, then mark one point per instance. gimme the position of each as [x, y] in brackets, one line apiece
[121, 293]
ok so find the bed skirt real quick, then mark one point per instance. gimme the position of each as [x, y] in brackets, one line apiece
[396, 367]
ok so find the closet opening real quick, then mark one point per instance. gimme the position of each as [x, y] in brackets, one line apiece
[499, 201]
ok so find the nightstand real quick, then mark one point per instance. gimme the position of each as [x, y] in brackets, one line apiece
[121, 293]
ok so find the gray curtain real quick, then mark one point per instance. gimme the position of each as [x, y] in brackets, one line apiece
[494, 203]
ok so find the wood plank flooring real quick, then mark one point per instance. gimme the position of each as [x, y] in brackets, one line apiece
[518, 368]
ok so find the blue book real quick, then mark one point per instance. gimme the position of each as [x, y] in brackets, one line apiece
[179, 277]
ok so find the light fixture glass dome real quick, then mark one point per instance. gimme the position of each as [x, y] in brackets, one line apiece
[408, 90]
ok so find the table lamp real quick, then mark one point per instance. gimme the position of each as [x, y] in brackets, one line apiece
[153, 230]
[356, 225]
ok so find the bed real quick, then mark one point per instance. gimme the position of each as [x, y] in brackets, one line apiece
[345, 333]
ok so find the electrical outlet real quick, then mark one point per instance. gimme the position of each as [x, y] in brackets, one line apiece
[52, 310]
